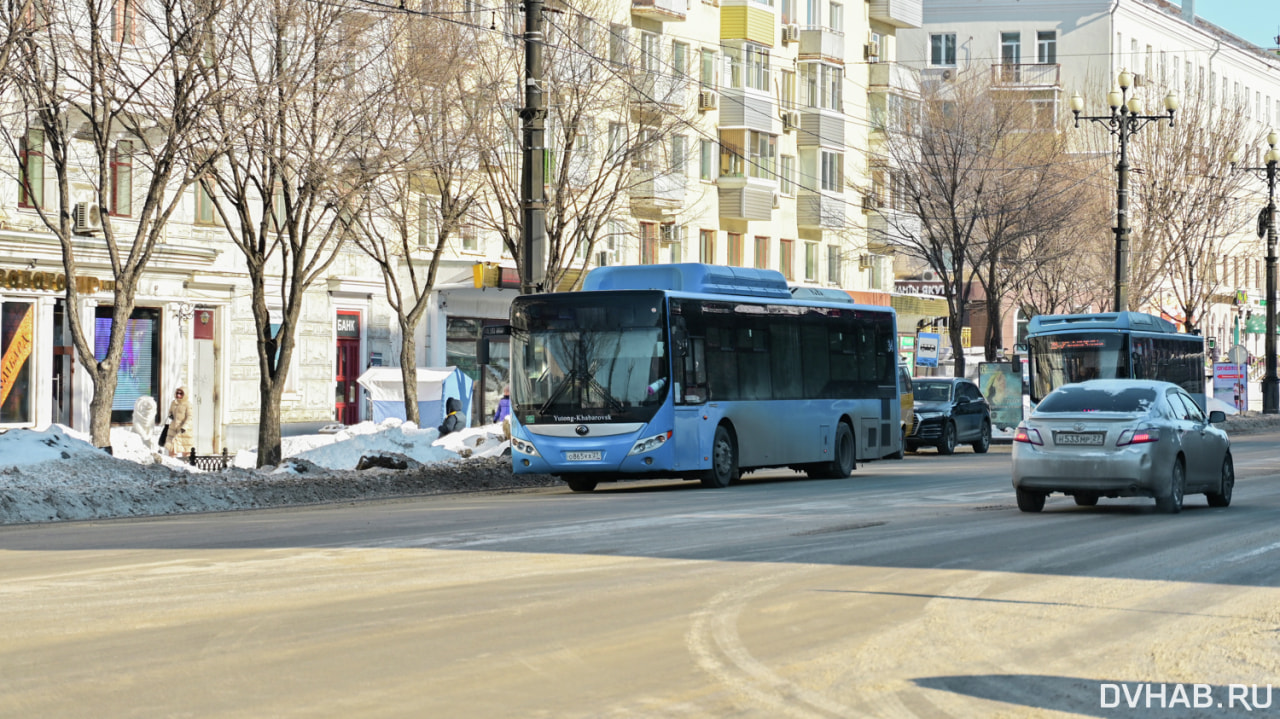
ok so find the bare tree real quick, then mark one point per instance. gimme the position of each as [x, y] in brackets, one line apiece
[98, 82]
[613, 117]
[428, 177]
[1186, 206]
[972, 174]
[295, 131]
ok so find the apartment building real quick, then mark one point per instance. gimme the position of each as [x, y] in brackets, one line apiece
[1049, 50]
[765, 162]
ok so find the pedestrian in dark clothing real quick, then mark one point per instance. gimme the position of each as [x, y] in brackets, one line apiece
[452, 421]
[504, 406]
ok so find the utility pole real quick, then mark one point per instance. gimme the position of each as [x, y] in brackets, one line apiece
[533, 201]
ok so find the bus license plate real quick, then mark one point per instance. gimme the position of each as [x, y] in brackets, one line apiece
[1080, 438]
[584, 456]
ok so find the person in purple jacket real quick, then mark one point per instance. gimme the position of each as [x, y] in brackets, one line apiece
[504, 406]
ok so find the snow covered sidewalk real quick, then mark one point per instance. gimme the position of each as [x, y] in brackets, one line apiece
[56, 474]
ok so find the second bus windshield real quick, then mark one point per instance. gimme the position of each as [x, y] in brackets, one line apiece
[1064, 359]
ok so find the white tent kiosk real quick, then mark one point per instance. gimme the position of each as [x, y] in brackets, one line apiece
[435, 384]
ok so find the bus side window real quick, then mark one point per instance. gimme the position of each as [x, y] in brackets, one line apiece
[688, 365]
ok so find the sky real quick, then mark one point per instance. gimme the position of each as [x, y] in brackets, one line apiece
[1257, 21]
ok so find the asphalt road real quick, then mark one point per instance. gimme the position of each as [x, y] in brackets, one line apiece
[913, 589]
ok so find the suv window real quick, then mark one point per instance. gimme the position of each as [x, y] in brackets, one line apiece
[904, 380]
[1074, 398]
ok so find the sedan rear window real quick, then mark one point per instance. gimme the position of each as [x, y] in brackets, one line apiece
[1082, 399]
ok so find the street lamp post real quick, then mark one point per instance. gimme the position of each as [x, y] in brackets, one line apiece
[1126, 118]
[1270, 383]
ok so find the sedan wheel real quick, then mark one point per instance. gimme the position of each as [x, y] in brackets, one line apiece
[948, 443]
[1171, 503]
[1029, 501]
[984, 440]
[1222, 497]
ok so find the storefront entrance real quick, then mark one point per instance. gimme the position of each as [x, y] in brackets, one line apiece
[347, 390]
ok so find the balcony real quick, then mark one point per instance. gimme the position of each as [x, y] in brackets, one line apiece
[898, 13]
[1045, 76]
[888, 228]
[662, 192]
[818, 42]
[893, 77]
[747, 109]
[821, 210]
[746, 198]
[820, 128]
[661, 10]
[659, 92]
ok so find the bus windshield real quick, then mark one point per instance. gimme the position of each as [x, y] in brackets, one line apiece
[1076, 357]
[599, 361]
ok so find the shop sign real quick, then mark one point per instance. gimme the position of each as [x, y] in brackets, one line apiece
[348, 325]
[16, 354]
[51, 282]
[911, 287]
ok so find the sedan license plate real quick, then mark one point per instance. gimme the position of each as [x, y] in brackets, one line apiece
[584, 456]
[1079, 438]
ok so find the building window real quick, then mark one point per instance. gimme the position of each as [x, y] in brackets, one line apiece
[811, 262]
[122, 179]
[206, 214]
[679, 154]
[680, 58]
[762, 149]
[762, 253]
[650, 53]
[1010, 48]
[707, 72]
[648, 243]
[707, 160]
[707, 246]
[735, 249]
[786, 175]
[832, 171]
[837, 17]
[786, 258]
[787, 90]
[942, 49]
[124, 21]
[835, 269]
[618, 44]
[31, 170]
[470, 236]
[1047, 47]
[426, 217]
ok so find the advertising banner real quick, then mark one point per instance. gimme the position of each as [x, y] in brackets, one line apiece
[17, 350]
[1001, 384]
[1231, 384]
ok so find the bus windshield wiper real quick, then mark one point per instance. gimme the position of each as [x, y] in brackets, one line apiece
[573, 378]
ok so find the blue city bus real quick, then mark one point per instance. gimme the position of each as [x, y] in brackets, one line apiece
[1062, 349]
[700, 372]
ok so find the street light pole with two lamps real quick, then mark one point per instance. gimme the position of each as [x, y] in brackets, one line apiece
[1126, 118]
[1270, 382]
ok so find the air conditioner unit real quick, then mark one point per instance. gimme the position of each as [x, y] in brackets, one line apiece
[777, 199]
[928, 275]
[871, 49]
[947, 75]
[790, 120]
[88, 217]
[669, 234]
[866, 262]
[791, 33]
[708, 100]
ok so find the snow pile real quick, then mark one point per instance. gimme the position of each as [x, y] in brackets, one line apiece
[344, 449]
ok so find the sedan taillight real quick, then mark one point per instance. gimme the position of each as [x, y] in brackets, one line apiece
[1028, 435]
[1141, 435]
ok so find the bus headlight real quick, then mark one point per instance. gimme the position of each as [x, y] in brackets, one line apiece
[650, 443]
[523, 447]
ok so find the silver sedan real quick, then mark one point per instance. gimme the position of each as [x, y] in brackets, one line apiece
[1121, 438]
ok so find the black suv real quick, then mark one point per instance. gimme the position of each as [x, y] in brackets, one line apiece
[948, 412]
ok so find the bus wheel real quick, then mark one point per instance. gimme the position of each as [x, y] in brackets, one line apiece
[842, 463]
[724, 461]
[581, 485]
